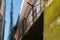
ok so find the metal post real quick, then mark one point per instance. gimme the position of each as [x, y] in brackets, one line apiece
[11, 21]
[11, 15]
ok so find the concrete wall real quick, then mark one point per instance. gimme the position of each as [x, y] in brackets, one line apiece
[26, 8]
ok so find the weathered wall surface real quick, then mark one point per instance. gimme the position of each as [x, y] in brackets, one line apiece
[52, 21]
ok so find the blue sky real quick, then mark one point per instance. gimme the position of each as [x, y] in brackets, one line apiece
[16, 9]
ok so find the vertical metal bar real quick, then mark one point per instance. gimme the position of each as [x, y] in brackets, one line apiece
[40, 5]
[11, 15]
[11, 20]
[33, 13]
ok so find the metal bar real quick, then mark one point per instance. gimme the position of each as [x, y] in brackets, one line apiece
[11, 15]
[11, 21]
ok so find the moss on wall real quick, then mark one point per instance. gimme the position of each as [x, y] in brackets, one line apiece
[52, 21]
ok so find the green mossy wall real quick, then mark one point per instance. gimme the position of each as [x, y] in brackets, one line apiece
[52, 21]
